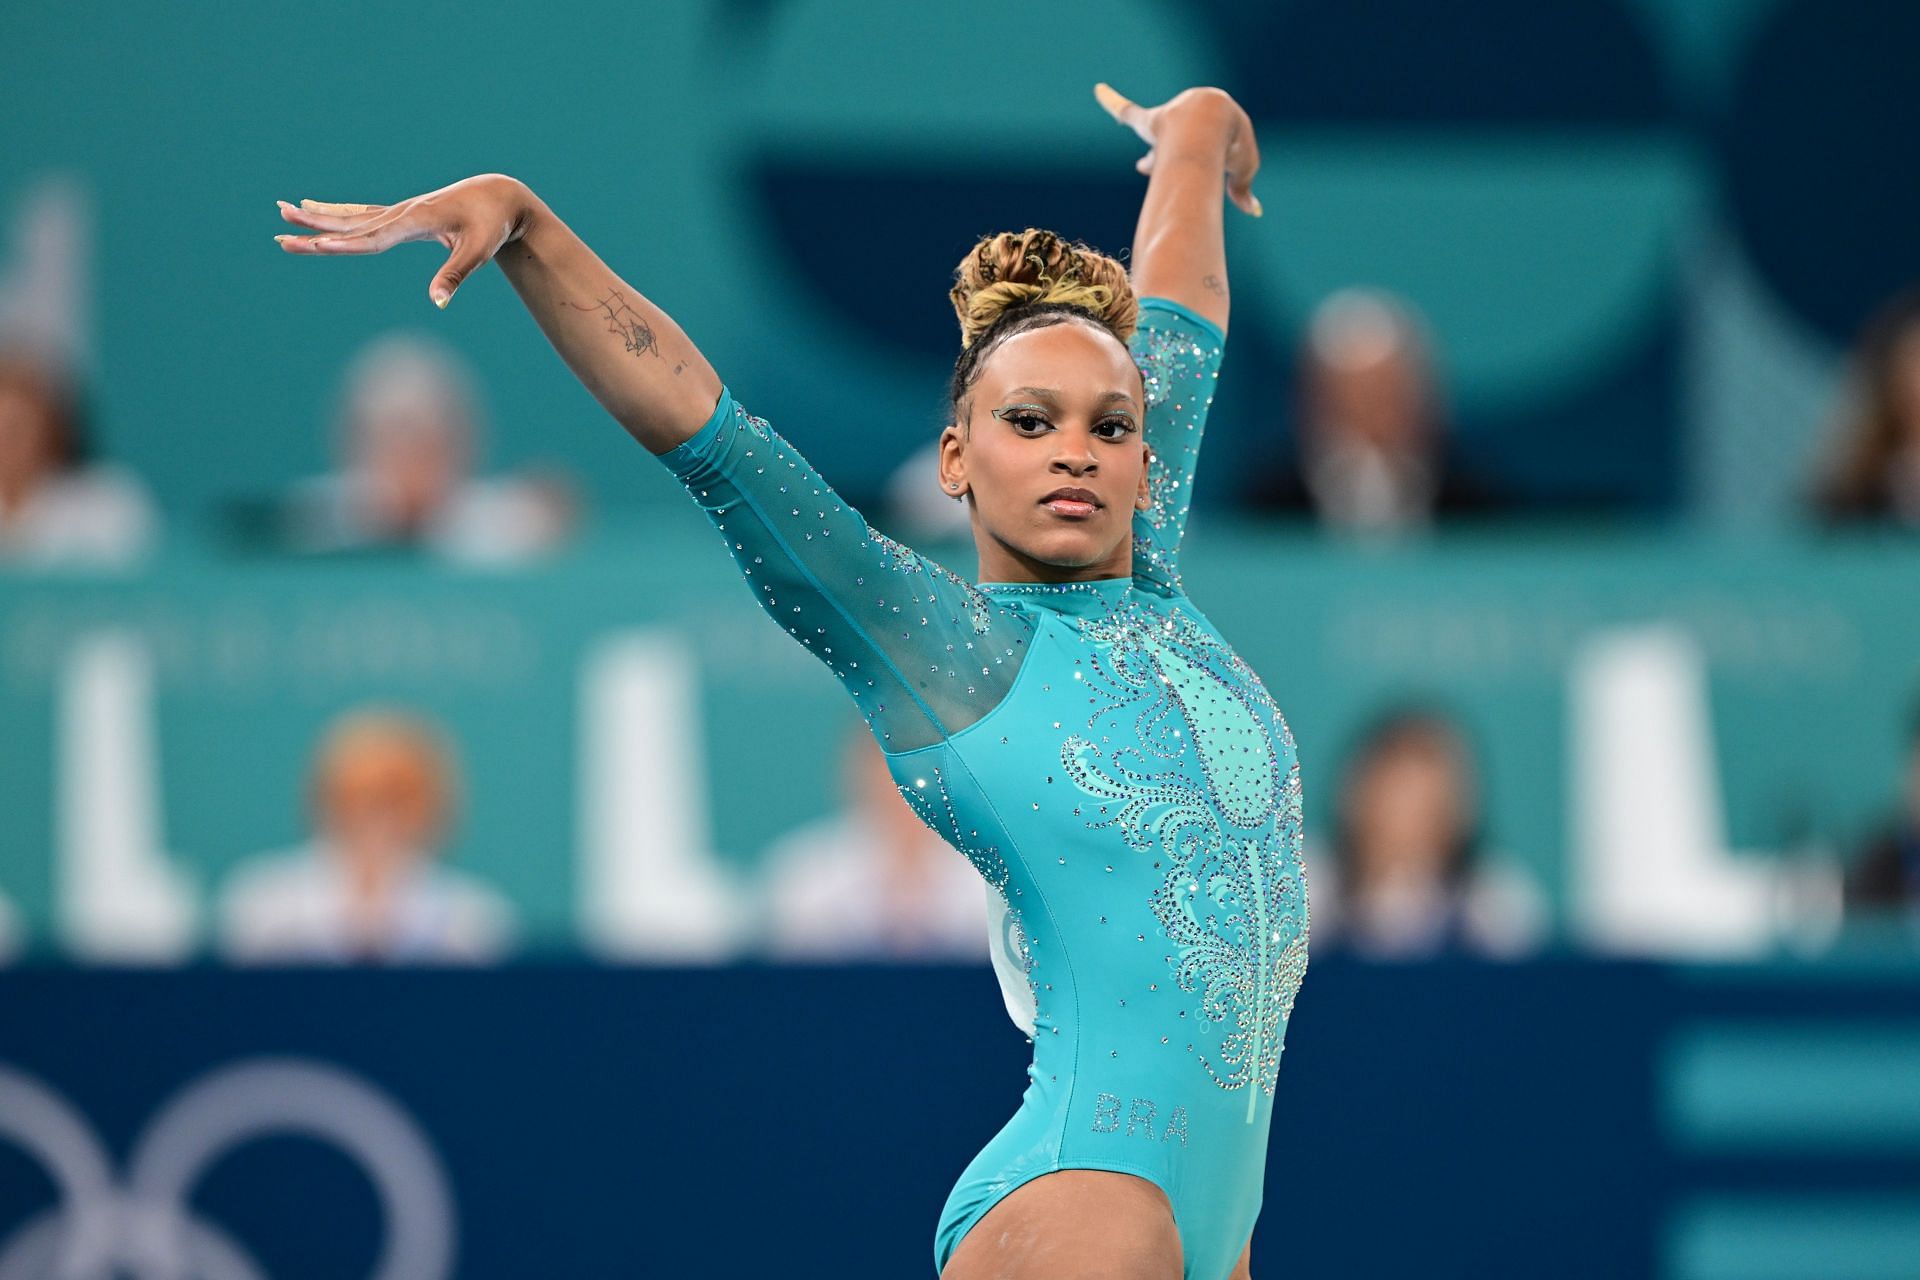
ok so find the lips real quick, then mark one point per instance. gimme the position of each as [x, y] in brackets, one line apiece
[1071, 504]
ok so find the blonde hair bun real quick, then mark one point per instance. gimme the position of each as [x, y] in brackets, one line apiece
[1015, 268]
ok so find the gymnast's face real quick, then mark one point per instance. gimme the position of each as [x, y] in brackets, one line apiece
[1052, 456]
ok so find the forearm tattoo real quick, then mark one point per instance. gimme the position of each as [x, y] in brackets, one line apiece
[1216, 284]
[629, 325]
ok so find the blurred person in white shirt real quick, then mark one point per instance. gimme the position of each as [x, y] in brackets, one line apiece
[1374, 453]
[1409, 878]
[59, 509]
[409, 436]
[370, 885]
[871, 881]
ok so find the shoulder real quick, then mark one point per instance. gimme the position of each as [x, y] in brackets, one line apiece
[274, 874]
[98, 513]
[274, 905]
[275, 870]
[470, 896]
[501, 520]
[817, 856]
[1506, 912]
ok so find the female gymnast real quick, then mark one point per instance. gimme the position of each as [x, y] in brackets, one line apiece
[1071, 722]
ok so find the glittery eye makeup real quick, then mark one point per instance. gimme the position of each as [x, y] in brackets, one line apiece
[1019, 413]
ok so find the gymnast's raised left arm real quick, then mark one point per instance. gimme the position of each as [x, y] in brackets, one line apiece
[1202, 151]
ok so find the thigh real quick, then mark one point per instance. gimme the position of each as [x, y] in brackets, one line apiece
[1243, 1269]
[1076, 1224]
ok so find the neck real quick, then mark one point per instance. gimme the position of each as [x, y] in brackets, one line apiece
[1000, 562]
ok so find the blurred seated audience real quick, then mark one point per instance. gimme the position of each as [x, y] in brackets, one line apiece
[1873, 472]
[369, 885]
[918, 507]
[1410, 878]
[1885, 878]
[408, 433]
[59, 509]
[871, 882]
[1372, 449]
[13, 933]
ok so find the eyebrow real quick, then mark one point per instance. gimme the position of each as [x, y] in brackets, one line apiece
[1052, 397]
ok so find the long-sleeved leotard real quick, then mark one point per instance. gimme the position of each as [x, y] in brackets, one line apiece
[1119, 776]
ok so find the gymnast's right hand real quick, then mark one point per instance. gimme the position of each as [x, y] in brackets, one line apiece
[473, 218]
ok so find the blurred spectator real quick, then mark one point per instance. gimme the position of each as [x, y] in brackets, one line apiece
[57, 509]
[1886, 876]
[1373, 453]
[917, 506]
[409, 433]
[872, 882]
[1873, 474]
[368, 886]
[12, 932]
[1410, 878]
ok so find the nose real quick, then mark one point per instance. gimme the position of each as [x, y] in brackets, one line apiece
[1075, 456]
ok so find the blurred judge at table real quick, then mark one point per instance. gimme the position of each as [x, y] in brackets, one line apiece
[1409, 877]
[60, 509]
[1885, 878]
[371, 885]
[871, 881]
[1372, 449]
[1872, 472]
[409, 433]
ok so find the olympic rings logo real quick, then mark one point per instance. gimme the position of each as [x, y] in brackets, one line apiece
[146, 1227]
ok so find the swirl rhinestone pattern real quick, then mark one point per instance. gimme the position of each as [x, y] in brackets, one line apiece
[1202, 781]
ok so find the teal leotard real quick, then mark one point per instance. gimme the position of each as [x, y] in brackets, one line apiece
[1118, 775]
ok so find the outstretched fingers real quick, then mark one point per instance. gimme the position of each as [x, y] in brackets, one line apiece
[366, 233]
[324, 206]
[310, 213]
[1125, 110]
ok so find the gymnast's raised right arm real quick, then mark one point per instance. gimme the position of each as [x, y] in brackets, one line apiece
[922, 652]
[629, 353]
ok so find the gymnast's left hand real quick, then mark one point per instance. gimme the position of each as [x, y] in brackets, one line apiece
[1211, 114]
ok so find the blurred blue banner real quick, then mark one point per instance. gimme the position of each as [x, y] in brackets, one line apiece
[1522, 1121]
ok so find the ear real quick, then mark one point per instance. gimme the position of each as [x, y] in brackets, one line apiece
[953, 461]
[1143, 499]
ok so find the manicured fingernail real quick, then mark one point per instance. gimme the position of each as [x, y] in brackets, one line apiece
[1257, 210]
[440, 300]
